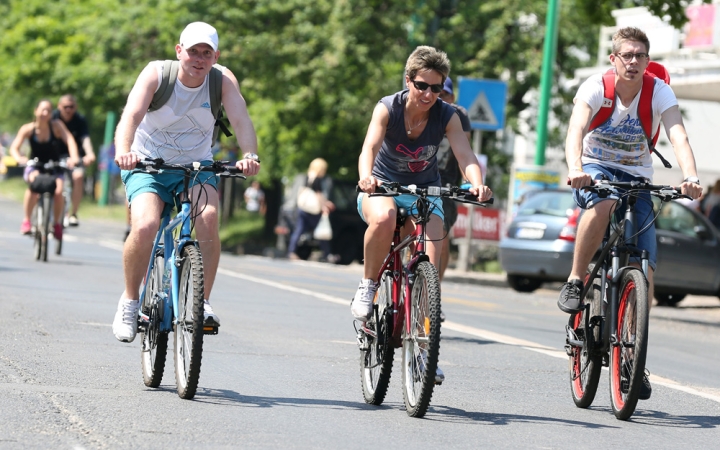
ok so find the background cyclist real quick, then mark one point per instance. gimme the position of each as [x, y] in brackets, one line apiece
[142, 134]
[78, 127]
[44, 134]
[619, 150]
[450, 172]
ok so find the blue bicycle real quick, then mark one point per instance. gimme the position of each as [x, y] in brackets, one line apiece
[172, 294]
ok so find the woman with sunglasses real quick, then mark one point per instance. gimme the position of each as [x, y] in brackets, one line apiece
[401, 146]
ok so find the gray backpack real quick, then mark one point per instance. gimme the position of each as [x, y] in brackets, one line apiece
[167, 85]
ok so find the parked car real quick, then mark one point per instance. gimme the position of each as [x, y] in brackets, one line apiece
[348, 228]
[541, 239]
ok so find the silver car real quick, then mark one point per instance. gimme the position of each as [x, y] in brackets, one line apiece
[541, 239]
[539, 242]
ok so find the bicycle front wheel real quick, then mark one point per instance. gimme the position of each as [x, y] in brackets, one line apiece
[154, 342]
[586, 359]
[45, 221]
[189, 325]
[376, 361]
[421, 347]
[627, 357]
[38, 231]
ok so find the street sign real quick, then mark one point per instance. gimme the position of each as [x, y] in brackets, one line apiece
[485, 101]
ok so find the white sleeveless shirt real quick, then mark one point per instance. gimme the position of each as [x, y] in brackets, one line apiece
[180, 132]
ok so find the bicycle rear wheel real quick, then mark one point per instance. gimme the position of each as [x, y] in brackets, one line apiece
[586, 359]
[189, 325]
[627, 358]
[154, 342]
[376, 361]
[421, 348]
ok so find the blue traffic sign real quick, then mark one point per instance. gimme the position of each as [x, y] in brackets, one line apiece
[485, 101]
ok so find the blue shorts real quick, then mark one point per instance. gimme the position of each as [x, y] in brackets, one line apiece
[168, 184]
[643, 207]
[406, 201]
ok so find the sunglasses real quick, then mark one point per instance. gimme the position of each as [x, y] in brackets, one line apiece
[422, 86]
[68, 107]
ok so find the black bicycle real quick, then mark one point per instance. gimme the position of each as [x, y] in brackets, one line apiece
[44, 185]
[612, 327]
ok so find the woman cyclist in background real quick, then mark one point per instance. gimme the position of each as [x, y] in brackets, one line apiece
[43, 133]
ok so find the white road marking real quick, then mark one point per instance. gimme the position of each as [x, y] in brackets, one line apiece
[472, 331]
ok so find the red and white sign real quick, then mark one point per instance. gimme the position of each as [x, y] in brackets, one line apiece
[486, 223]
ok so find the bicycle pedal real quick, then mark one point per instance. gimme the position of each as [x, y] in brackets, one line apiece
[362, 341]
[143, 322]
[211, 329]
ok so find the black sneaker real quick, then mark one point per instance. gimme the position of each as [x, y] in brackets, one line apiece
[645, 388]
[569, 301]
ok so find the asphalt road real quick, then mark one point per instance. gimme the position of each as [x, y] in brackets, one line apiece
[284, 371]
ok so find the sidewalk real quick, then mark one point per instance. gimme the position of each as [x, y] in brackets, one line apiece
[481, 278]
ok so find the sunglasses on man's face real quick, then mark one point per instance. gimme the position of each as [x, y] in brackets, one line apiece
[422, 86]
[68, 107]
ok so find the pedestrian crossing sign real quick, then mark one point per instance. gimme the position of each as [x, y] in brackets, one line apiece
[485, 102]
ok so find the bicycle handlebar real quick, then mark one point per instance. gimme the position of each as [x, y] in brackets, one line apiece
[220, 168]
[666, 193]
[393, 189]
[48, 166]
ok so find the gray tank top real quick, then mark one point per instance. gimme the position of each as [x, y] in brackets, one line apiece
[406, 161]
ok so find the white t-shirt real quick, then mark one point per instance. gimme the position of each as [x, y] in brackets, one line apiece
[621, 143]
[180, 131]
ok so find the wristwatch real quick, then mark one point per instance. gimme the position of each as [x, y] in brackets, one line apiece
[252, 156]
[695, 180]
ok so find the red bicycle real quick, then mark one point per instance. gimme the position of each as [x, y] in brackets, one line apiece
[413, 325]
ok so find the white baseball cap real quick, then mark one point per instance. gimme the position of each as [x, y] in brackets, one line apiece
[199, 33]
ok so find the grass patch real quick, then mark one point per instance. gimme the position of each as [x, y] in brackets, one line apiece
[242, 229]
[14, 189]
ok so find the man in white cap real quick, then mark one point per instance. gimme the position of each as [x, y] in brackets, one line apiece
[179, 132]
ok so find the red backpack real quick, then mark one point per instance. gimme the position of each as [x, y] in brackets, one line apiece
[654, 70]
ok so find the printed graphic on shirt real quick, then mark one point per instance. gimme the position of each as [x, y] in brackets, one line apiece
[623, 144]
[414, 160]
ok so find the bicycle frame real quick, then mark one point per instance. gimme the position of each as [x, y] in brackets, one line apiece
[620, 251]
[171, 248]
[393, 262]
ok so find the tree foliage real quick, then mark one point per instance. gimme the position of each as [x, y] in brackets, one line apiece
[310, 70]
[600, 12]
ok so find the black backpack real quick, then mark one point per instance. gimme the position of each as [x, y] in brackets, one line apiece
[167, 85]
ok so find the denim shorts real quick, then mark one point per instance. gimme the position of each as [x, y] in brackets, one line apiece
[167, 185]
[406, 201]
[643, 207]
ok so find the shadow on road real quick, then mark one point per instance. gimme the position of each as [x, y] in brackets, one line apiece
[457, 415]
[662, 419]
[229, 397]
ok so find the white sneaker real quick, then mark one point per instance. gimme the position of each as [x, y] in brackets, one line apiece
[125, 323]
[439, 376]
[362, 304]
[210, 316]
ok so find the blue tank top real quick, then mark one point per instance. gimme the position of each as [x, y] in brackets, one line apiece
[411, 161]
[44, 151]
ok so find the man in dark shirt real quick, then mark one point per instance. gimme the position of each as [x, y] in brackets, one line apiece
[76, 123]
[449, 171]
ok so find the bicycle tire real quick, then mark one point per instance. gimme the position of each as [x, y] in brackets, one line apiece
[45, 227]
[376, 362]
[37, 235]
[586, 361]
[627, 359]
[189, 324]
[421, 349]
[153, 352]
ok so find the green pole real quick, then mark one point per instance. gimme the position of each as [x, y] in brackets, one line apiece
[549, 50]
[104, 173]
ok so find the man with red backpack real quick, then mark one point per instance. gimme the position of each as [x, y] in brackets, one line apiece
[629, 105]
